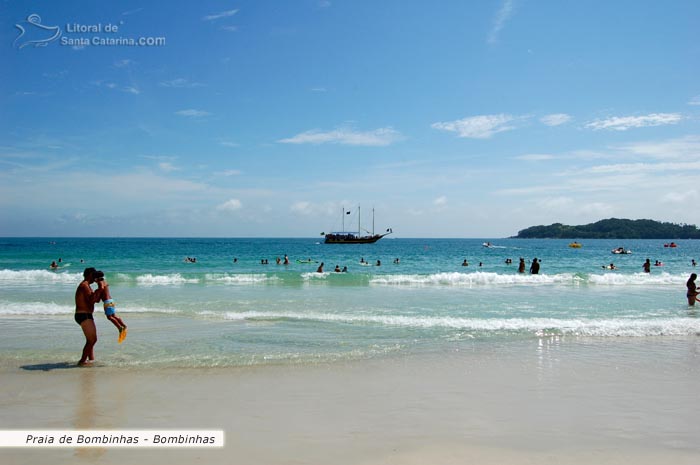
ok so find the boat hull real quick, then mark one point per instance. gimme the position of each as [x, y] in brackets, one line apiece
[340, 239]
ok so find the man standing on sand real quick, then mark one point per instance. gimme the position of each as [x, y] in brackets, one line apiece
[85, 299]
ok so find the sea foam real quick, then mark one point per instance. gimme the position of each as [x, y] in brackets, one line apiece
[39, 276]
[615, 327]
[164, 280]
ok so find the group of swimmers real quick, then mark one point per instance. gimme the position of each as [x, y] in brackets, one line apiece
[56, 265]
[647, 265]
[336, 270]
[534, 266]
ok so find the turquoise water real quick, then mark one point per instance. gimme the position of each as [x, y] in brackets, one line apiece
[217, 312]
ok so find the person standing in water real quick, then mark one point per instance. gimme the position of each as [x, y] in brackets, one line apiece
[692, 293]
[109, 307]
[535, 266]
[85, 300]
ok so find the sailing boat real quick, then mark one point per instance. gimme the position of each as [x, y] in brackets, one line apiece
[354, 237]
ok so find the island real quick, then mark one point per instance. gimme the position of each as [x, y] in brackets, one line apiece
[612, 228]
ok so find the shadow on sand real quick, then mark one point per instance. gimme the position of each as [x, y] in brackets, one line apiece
[50, 366]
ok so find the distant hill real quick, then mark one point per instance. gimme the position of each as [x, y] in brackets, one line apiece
[613, 228]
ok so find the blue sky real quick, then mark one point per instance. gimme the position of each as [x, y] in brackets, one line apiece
[266, 118]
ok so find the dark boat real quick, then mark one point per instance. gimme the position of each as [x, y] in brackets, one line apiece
[354, 237]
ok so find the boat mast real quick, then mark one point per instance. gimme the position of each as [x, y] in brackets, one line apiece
[359, 219]
[343, 217]
[373, 221]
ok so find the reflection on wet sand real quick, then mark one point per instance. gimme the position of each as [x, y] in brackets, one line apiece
[86, 412]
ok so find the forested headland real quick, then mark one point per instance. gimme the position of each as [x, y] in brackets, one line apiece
[613, 228]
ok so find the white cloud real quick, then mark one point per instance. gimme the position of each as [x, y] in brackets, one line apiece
[143, 187]
[303, 208]
[123, 63]
[440, 201]
[192, 113]
[529, 190]
[629, 168]
[131, 12]
[597, 209]
[623, 123]
[179, 83]
[229, 173]
[555, 203]
[316, 210]
[223, 14]
[230, 205]
[228, 144]
[682, 198]
[555, 119]
[377, 138]
[477, 127]
[684, 148]
[695, 100]
[502, 16]
[167, 167]
[535, 157]
[230, 28]
[114, 86]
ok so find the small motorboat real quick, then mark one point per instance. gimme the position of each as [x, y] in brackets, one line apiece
[671, 244]
[621, 251]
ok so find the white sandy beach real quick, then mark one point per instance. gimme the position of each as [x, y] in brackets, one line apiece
[548, 401]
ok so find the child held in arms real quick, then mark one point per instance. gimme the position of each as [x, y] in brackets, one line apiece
[109, 307]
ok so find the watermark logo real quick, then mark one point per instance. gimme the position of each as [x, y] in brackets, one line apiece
[79, 36]
[34, 34]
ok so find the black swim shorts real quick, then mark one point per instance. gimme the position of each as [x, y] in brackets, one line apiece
[80, 317]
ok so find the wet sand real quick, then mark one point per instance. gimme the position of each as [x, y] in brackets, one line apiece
[548, 401]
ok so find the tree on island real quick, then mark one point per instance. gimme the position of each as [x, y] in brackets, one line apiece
[613, 228]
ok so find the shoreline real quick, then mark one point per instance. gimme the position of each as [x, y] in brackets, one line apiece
[547, 401]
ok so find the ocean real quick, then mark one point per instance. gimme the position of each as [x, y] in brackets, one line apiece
[229, 309]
